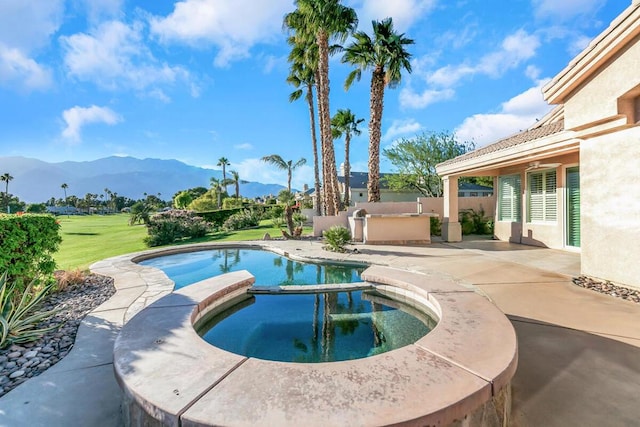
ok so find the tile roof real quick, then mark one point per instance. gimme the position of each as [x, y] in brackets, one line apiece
[517, 139]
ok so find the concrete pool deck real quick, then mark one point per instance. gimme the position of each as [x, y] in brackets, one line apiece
[579, 350]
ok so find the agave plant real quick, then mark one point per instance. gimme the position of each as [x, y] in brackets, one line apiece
[18, 320]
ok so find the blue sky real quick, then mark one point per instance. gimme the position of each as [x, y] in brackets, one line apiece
[197, 80]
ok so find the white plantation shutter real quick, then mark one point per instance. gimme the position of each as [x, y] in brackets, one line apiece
[509, 198]
[542, 197]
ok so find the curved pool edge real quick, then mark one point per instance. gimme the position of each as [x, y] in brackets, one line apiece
[462, 378]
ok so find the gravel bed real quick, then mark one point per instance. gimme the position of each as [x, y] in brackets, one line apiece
[608, 288]
[18, 363]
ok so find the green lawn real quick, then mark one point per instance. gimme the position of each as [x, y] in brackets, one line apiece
[87, 239]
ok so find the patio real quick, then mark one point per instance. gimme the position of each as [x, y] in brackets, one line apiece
[579, 350]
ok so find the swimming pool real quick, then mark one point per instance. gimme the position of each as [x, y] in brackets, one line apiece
[269, 269]
[303, 326]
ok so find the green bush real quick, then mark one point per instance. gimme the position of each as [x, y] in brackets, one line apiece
[336, 238]
[17, 318]
[232, 203]
[218, 217]
[240, 220]
[168, 227]
[436, 226]
[27, 245]
[473, 222]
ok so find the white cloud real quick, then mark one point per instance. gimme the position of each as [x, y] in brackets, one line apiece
[532, 72]
[404, 12]
[516, 114]
[411, 99]
[77, 117]
[114, 56]
[401, 127]
[514, 50]
[245, 146]
[16, 68]
[26, 26]
[234, 26]
[565, 9]
[98, 10]
[578, 44]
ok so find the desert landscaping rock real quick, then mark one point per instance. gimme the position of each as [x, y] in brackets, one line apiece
[608, 288]
[18, 363]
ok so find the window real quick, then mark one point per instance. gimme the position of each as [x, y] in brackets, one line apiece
[474, 194]
[542, 196]
[509, 198]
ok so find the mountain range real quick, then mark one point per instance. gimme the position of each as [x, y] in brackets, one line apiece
[36, 181]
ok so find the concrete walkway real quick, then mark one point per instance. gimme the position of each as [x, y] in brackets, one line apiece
[579, 361]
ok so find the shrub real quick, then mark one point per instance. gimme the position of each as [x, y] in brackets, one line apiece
[17, 318]
[232, 202]
[473, 222]
[336, 238]
[218, 217]
[436, 226]
[27, 244]
[64, 279]
[170, 226]
[241, 220]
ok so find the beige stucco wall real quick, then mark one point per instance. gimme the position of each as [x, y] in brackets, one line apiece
[397, 229]
[610, 206]
[359, 195]
[598, 98]
[548, 234]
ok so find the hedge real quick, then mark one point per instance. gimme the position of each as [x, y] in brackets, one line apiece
[27, 244]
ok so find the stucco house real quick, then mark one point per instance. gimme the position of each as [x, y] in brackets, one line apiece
[572, 181]
[466, 189]
[358, 189]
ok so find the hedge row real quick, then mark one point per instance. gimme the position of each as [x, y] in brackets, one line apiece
[27, 245]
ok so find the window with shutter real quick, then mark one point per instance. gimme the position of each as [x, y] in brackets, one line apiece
[542, 199]
[573, 207]
[509, 190]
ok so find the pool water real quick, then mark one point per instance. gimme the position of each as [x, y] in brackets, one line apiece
[269, 269]
[310, 328]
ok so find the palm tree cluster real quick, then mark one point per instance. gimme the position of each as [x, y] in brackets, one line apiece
[313, 28]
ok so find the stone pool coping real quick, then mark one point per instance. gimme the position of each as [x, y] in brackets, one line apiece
[167, 371]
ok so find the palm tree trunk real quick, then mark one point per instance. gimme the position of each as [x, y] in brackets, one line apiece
[377, 98]
[328, 154]
[347, 170]
[314, 142]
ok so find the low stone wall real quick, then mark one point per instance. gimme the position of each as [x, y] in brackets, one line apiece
[459, 374]
[402, 229]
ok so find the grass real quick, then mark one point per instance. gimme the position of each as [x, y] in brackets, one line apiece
[87, 239]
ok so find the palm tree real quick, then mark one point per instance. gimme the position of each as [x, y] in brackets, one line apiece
[386, 56]
[289, 166]
[321, 20]
[344, 123]
[6, 177]
[64, 187]
[236, 181]
[224, 162]
[217, 184]
[302, 74]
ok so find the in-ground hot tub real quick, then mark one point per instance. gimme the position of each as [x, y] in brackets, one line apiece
[460, 371]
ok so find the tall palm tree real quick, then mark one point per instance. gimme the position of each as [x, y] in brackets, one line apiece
[289, 166]
[302, 76]
[344, 123]
[322, 20]
[64, 187]
[236, 181]
[6, 177]
[223, 162]
[386, 56]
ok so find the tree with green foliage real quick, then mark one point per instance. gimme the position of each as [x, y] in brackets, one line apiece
[386, 55]
[322, 21]
[289, 166]
[302, 75]
[236, 181]
[344, 123]
[415, 161]
[182, 200]
[223, 162]
[6, 178]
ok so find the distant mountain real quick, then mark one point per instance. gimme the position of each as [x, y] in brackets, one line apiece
[37, 181]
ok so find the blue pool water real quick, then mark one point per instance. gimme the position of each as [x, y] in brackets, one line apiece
[320, 327]
[311, 328]
[269, 269]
